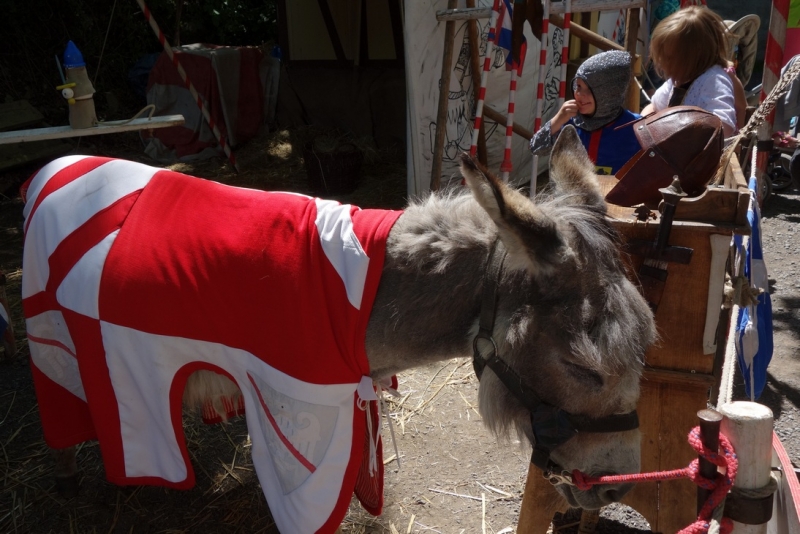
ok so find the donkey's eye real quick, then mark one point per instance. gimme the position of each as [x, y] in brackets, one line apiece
[584, 374]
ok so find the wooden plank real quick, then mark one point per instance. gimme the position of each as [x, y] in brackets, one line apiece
[576, 30]
[714, 205]
[499, 118]
[681, 314]
[540, 502]
[580, 6]
[18, 114]
[470, 13]
[668, 376]
[644, 497]
[677, 498]
[60, 132]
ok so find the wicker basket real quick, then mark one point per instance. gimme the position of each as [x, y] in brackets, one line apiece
[333, 173]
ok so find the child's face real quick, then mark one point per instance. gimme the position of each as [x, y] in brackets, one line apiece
[584, 98]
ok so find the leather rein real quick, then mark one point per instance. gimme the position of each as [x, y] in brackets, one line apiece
[551, 425]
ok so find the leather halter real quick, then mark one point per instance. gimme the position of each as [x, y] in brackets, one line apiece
[551, 425]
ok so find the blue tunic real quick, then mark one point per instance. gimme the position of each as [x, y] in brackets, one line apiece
[615, 143]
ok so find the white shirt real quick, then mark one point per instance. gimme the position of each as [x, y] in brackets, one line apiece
[712, 91]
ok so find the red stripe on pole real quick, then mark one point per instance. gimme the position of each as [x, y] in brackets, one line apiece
[195, 95]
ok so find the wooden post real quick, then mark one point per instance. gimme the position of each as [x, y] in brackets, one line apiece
[631, 37]
[499, 118]
[748, 426]
[540, 502]
[475, 62]
[444, 91]
[586, 35]
[710, 421]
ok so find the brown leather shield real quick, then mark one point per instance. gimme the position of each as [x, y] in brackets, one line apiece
[682, 141]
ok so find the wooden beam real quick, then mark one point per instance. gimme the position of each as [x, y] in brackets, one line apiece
[444, 97]
[333, 32]
[631, 38]
[668, 376]
[471, 13]
[499, 118]
[582, 6]
[587, 35]
[60, 132]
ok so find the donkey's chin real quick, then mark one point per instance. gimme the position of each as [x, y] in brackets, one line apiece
[594, 498]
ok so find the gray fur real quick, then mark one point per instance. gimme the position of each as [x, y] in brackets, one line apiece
[569, 321]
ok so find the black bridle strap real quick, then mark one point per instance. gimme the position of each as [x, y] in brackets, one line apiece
[551, 426]
[609, 423]
[497, 254]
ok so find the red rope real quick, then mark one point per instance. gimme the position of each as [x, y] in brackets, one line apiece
[718, 486]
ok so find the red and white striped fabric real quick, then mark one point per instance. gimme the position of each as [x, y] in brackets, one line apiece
[773, 55]
[135, 277]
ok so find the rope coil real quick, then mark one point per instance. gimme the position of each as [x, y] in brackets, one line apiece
[718, 486]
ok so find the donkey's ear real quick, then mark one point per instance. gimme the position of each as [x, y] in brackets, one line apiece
[531, 237]
[572, 171]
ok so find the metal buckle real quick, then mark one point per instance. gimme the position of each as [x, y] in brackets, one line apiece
[555, 479]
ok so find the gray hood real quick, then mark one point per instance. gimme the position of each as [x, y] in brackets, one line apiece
[608, 75]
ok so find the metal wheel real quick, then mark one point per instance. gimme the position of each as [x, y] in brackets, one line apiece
[766, 190]
[779, 173]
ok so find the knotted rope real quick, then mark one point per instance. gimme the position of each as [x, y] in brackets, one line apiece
[718, 486]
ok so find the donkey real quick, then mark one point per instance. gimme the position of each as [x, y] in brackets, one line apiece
[536, 292]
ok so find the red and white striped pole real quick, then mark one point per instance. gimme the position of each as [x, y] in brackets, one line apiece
[507, 166]
[562, 86]
[537, 121]
[189, 85]
[487, 66]
[516, 70]
[773, 61]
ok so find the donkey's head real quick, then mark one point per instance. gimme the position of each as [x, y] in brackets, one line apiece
[567, 345]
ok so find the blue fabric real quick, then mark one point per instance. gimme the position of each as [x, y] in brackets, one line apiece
[754, 323]
[504, 37]
[617, 146]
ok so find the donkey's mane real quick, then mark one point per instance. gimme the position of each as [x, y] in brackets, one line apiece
[449, 230]
[452, 220]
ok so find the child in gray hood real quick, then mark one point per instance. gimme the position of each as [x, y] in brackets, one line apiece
[603, 124]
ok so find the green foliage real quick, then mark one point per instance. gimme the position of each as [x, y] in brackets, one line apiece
[234, 22]
[112, 35]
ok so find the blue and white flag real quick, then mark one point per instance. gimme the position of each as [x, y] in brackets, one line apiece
[504, 36]
[754, 323]
[4, 322]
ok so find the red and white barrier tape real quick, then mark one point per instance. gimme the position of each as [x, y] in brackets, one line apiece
[487, 65]
[537, 121]
[189, 85]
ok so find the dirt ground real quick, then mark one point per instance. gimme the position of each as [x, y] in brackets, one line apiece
[452, 475]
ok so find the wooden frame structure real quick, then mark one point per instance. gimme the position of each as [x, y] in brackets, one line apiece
[452, 14]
